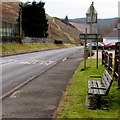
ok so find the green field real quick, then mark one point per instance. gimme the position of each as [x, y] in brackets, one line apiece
[12, 49]
[73, 103]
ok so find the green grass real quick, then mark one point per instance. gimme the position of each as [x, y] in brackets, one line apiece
[73, 103]
[12, 49]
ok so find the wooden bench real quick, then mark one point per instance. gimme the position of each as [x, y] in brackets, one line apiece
[100, 88]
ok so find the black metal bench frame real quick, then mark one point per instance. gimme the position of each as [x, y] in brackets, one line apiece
[100, 88]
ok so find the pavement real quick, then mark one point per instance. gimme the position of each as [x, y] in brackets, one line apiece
[40, 97]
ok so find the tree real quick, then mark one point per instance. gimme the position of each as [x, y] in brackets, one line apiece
[34, 22]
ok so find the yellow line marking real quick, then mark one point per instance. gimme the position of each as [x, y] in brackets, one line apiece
[15, 94]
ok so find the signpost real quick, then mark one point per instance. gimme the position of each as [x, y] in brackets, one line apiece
[91, 17]
[89, 37]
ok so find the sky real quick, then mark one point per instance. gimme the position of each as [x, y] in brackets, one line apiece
[78, 8]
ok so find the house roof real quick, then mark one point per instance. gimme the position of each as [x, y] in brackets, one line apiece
[114, 33]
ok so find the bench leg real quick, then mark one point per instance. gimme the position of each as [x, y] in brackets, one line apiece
[98, 101]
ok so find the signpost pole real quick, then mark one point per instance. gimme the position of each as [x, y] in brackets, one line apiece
[91, 18]
[85, 48]
[97, 53]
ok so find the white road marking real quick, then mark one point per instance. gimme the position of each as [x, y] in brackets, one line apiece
[64, 59]
[33, 62]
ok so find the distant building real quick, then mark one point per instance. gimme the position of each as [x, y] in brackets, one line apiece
[112, 36]
[66, 20]
[9, 27]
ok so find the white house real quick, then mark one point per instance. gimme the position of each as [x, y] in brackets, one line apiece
[113, 36]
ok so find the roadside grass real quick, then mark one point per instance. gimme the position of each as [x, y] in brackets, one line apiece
[73, 103]
[13, 48]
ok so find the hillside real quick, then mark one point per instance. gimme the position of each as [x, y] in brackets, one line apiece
[101, 22]
[103, 26]
[10, 11]
[80, 26]
[58, 30]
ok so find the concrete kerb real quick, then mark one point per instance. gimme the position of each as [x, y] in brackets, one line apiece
[65, 92]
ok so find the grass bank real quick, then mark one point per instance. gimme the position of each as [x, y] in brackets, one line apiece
[73, 103]
[12, 49]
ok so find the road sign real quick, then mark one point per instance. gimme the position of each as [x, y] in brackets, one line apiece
[90, 36]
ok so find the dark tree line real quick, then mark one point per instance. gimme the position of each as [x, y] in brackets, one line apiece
[34, 22]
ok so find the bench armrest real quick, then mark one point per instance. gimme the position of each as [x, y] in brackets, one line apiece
[103, 88]
[95, 76]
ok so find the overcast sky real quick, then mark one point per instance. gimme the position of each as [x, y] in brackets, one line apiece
[78, 8]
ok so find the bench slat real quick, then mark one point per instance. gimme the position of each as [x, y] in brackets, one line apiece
[96, 91]
[90, 91]
[105, 81]
[92, 76]
[102, 92]
[108, 76]
[89, 83]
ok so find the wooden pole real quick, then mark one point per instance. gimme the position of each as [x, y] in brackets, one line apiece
[118, 48]
[116, 61]
[97, 53]
[103, 57]
[106, 59]
[119, 74]
[85, 48]
[110, 63]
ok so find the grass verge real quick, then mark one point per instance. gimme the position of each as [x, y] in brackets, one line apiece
[73, 103]
[12, 49]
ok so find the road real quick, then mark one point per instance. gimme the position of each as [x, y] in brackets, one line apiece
[18, 69]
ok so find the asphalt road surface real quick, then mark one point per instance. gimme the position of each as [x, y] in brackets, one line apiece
[47, 73]
[19, 68]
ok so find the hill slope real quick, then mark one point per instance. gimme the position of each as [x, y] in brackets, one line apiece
[101, 22]
[58, 30]
[10, 11]
[103, 26]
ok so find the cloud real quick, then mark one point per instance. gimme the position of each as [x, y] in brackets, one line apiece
[10, 0]
[78, 8]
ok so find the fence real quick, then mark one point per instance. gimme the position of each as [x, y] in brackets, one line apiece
[117, 64]
[107, 61]
[42, 40]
